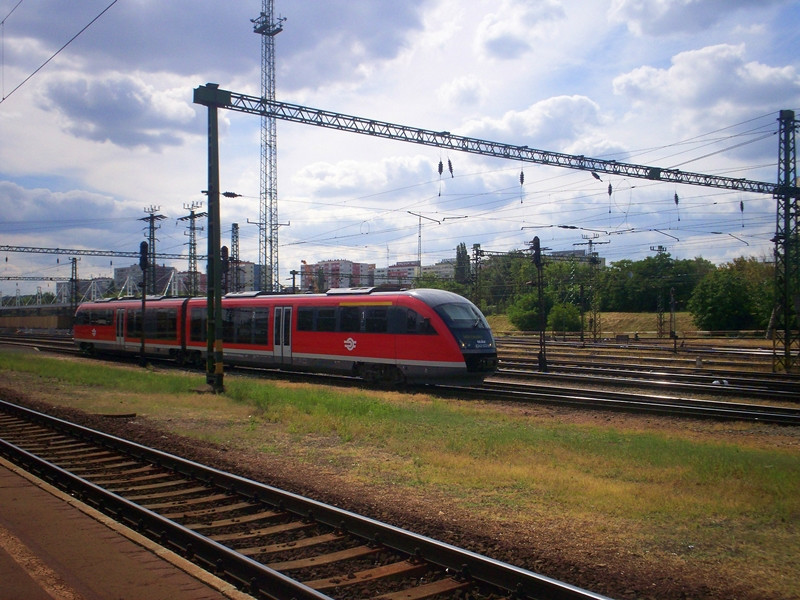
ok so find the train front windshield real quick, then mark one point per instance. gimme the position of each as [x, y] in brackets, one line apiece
[468, 325]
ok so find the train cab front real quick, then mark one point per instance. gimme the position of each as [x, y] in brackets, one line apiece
[473, 336]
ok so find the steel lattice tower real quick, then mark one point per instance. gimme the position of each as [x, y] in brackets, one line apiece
[193, 272]
[786, 352]
[235, 269]
[266, 26]
[152, 218]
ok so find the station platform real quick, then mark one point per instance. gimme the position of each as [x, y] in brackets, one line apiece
[53, 547]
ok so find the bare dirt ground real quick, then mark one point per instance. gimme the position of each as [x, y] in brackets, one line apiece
[553, 547]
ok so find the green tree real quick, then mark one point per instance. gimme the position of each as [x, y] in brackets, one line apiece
[564, 317]
[430, 280]
[737, 295]
[462, 271]
[637, 286]
[759, 277]
[721, 301]
[524, 313]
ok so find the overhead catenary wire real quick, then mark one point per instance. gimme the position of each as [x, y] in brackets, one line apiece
[57, 52]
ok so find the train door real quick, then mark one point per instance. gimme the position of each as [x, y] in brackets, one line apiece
[282, 336]
[120, 321]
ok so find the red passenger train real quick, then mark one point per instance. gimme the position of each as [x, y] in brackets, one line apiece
[413, 336]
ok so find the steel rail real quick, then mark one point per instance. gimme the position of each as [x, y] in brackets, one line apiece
[524, 583]
[618, 401]
[719, 384]
[249, 573]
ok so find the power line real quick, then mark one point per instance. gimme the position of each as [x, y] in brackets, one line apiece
[3, 22]
[72, 39]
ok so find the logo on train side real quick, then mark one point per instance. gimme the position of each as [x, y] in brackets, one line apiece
[350, 344]
[94, 332]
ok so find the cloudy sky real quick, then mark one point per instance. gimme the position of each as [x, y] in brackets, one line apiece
[107, 127]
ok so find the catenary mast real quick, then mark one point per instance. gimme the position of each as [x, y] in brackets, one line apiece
[266, 26]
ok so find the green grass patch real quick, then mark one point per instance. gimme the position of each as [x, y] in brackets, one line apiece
[143, 381]
[662, 490]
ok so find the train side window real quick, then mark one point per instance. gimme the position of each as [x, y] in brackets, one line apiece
[419, 324]
[243, 323]
[349, 318]
[197, 325]
[95, 317]
[326, 319]
[229, 325]
[305, 319]
[261, 326]
[166, 323]
[376, 319]
[101, 317]
[134, 323]
[150, 328]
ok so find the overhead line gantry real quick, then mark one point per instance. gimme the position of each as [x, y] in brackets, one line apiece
[785, 191]
[75, 252]
[209, 94]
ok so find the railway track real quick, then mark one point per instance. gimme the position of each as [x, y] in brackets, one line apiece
[63, 345]
[270, 543]
[558, 395]
[563, 392]
[647, 355]
[766, 386]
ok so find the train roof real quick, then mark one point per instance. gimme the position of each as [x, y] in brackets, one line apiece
[432, 297]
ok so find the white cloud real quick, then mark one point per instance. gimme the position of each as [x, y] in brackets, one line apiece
[552, 123]
[466, 91]
[712, 77]
[122, 109]
[668, 17]
[517, 27]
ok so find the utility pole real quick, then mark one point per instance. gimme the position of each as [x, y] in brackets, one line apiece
[192, 217]
[660, 298]
[267, 27]
[477, 253]
[594, 300]
[235, 269]
[419, 238]
[536, 250]
[152, 218]
[786, 342]
[73, 286]
[144, 259]
[212, 97]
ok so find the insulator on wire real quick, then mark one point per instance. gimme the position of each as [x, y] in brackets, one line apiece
[441, 168]
[610, 189]
[450, 167]
[676, 204]
[521, 177]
